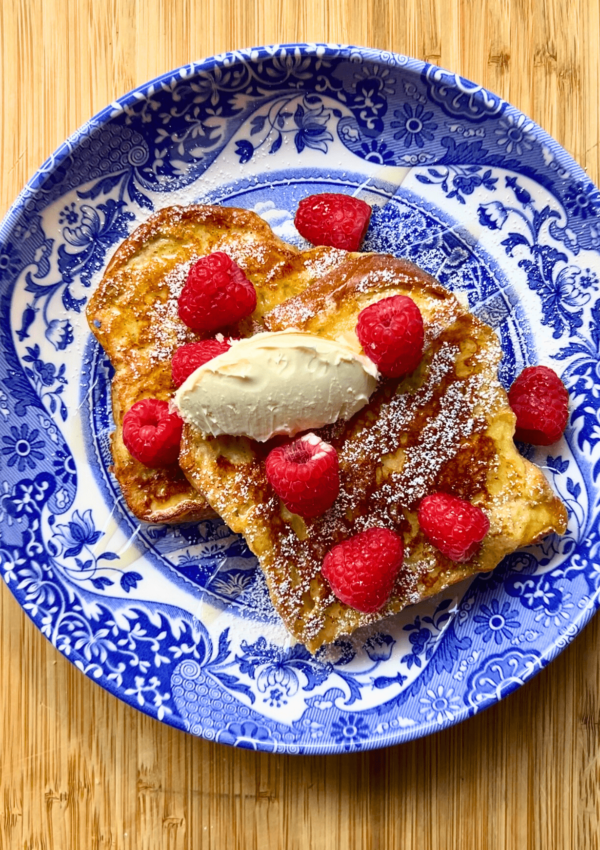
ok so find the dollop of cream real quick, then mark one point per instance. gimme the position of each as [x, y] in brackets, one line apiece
[276, 383]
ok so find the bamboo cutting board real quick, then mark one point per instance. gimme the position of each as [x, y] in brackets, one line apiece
[81, 771]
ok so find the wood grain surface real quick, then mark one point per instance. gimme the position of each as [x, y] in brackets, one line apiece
[81, 771]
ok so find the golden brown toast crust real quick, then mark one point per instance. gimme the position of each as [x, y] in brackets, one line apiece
[447, 427]
[133, 314]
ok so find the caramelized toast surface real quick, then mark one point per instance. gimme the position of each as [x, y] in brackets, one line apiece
[447, 427]
[133, 314]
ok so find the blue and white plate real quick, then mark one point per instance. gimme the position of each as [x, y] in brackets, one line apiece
[177, 621]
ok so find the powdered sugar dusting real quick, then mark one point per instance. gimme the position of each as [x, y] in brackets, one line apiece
[383, 436]
[318, 266]
[440, 440]
[244, 249]
[422, 430]
[380, 278]
[403, 445]
[296, 314]
[168, 331]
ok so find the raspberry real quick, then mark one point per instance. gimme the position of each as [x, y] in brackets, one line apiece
[217, 293]
[362, 570]
[305, 475]
[151, 433]
[540, 402]
[190, 357]
[453, 526]
[391, 333]
[340, 221]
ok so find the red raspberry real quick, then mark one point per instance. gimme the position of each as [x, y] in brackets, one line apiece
[540, 402]
[453, 526]
[340, 221]
[217, 293]
[151, 434]
[362, 570]
[190, 357]
[391, 333]
[305, 475]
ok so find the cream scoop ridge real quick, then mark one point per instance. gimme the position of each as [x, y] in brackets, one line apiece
[276, 383]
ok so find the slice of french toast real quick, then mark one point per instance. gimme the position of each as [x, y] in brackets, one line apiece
[446, 427]
[133, 314]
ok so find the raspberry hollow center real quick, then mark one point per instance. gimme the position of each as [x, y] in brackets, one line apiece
[148, 430]
[306, 449]
[299, 454]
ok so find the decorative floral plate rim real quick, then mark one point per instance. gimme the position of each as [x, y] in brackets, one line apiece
[339, 96]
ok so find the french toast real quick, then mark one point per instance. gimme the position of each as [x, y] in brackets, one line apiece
[446, 427]
[133, 314]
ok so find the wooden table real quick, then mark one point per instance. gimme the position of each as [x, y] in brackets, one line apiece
[79, 769]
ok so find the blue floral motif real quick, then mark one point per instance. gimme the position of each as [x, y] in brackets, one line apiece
[493, 215]
[125, 652]
[69, 214]
[422, 638]
[274, 667]
[439, 705]
[379, 647]
[111, 155]
[276, 697]
[60, 333]
[415, 126]
[496, 622]
[205, 672]
[418, 639]
[460, 97]
[96, 230]
[312, 127]
[515, 134]
[458, 181]
[76, 534]
[305, 118]
[367, 95]
[545, 595]
[376, 151]
[48, 381]
[28, 496]
[401, 682]
[499, 675]
[582, 378]
[248, 736]
[94, 646]
[582, 200]
[23, 447]
[276, 670]
[563, 289]
[79, 536]
[557, 464]
[99, 228]
[350, 731]
[10, 261]
[369, 105]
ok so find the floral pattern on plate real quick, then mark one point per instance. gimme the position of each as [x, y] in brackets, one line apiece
[177, 621]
